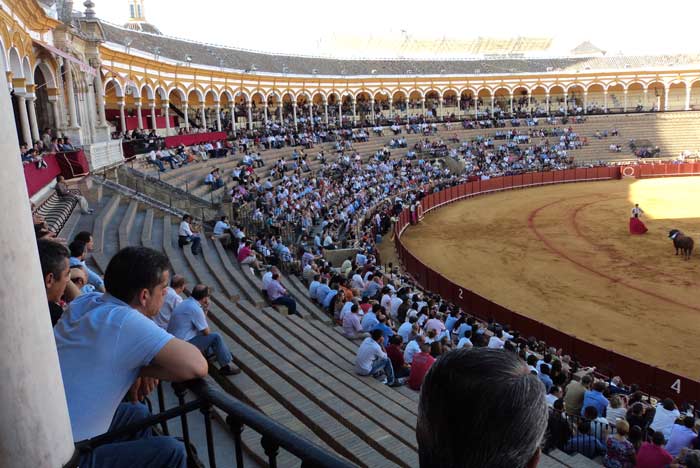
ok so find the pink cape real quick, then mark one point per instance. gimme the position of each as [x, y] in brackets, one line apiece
[637, 226]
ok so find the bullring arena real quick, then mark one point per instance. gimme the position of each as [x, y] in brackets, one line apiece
[563, 254]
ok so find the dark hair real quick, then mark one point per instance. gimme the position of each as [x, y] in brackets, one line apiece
[395, 339]
[177, 281]
[52, 257]
[376, 334]
[77, 248]
[199, 292]
[658, 438]
[133, 269]
[480, 407]
[689, 422]
[84, 236]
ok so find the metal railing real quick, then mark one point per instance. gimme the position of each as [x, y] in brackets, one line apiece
[238, 416]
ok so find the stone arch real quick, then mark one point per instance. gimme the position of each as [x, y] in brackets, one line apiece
[415, 96]
[656, 95]
[520, 98]
[596, 96]
[177, 97]
[695, 95]
[333, 98]
[616, 95]
[574, 96]
[483, 97]
[15, 63]
[195, 97]
[318, 98]
[43, 80]
[116, 86]
[211, 97]
[676, 95]
[27, 70]
[3, 57]
[502, 95]
[556, 97]
[635, 95]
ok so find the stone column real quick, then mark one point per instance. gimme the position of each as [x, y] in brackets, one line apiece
[250, 115]
[422, 105]
[154, 123]
[624, 104]
[493, 104]
[265, 114]
[646, 97]
[476, 106]
[185, 111]
[23, 119]
[122, 116]
[203, 113]
[70, 94]
[605, 100]
[56, 113]
[166, 114]
[340, 112]
[233, 117]
[218, 117]
[687, 97]
[139, 117]
[442, 107]
[391, 108]
[511, 103]
[279, 111]
[371, 105]
[294, 113]
[325, 111]
[34, 429]
[100, 98]
[529, 101]
[33, 126]
[546, 100]
[585, 102]
[566, 104]
[311, 113]
[666, 93]
[354, 112]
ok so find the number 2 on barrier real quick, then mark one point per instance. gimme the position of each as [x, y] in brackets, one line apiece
[677, 386]
[461, 293]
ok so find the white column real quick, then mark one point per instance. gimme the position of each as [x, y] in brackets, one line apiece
[354, 112]
[566, 104]
[56, 113]
[218, 117]
[493, 104]
[265, 113]
[311, 113]
[70, 94]
[250, 115]
[666, 93]
[279, 111]
[294, 113]
[185, 111]
[34, 428]
[340, 112]
[585, 102]
[646, 97]
[687, 96]
[203, 112]
[391, 108]
[422, 104]
[100, 99]
[546, 100]
[139, 117]
[476, 105]
[154, 123]
[442, 108]
[624, 105]
[511, 103]
[233, 116]
[605, 100]
[33, 126]
[371, 105]
[122, 116]
[23, 119]
[325, 111]
[166, 114]
[529, 101]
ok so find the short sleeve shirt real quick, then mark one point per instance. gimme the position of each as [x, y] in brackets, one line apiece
[102, 345]
[187, 320]
[172, 300]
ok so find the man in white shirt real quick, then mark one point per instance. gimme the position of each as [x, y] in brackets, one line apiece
[189, 323]
[221, 229]
[172, 300]
[371, 358]
[496, 341]
[413, 347]
[186, 235]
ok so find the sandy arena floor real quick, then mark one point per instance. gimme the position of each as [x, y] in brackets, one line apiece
[563, 255]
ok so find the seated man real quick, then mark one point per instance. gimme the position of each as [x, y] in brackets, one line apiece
[187, 235]
[351, 323]
[78, 252]
[151, 158]
[93, 278]
[222, 231]
[279, 296]
[63, 192]
[108, 347]
[189, 323]
[172, 300]
[420, 365]
[480, 407]
[371, 358]
[247, 256]
[56, 271]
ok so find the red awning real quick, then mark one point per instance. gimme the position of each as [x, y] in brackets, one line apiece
[84, 67]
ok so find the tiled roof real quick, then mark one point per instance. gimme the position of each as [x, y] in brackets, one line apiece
[238, 59]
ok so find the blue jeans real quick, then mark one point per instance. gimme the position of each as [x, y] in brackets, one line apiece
[213, 344]
[157, 163]
[288, 302]
[385, 365]
[143, 449]
[195, 240]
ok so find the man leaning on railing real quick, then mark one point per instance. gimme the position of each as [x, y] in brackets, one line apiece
[109, 347]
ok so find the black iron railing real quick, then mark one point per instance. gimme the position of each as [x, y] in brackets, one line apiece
[238, 416]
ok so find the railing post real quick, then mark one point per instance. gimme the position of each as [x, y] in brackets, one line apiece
[271, 449]
[236, 430]
[206, 411]
[161, 407]
[181, 391]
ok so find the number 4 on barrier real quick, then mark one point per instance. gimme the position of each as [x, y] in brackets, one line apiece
[677, 386]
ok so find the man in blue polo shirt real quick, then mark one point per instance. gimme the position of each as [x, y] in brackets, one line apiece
[595, 398]
[108, 346]
[189, 323]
